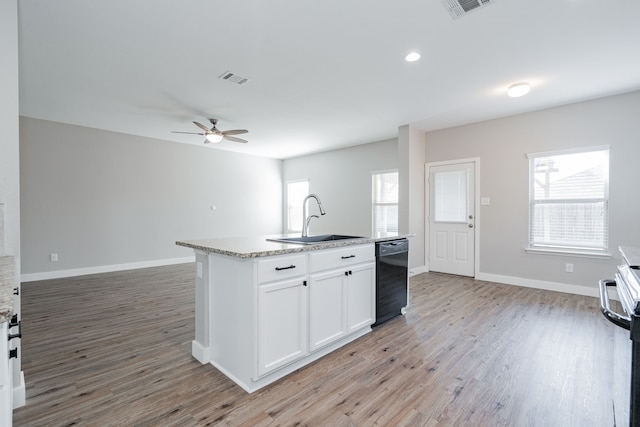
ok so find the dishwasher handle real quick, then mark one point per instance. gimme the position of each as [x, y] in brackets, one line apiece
[605, 307]
[393, 247]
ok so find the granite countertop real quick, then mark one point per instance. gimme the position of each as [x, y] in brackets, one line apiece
[7, 272]
[259, 246]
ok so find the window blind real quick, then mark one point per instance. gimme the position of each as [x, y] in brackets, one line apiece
[569, 200]
[385, 202]
[450, 196]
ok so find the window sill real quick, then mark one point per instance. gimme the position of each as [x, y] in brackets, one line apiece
[568, 252]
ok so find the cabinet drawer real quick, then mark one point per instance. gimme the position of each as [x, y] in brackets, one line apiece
[283, 267]
[336, 258]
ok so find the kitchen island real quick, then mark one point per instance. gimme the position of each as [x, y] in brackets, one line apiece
[265, 309]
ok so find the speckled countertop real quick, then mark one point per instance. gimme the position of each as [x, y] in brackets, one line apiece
[7, 272]
[259, 246]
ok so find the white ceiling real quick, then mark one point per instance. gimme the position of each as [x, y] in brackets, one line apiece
[323, 74]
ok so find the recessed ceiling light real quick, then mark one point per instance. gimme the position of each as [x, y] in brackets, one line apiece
[518, 89]
[412, 57]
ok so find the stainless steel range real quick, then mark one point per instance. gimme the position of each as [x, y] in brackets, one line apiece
[627, 283]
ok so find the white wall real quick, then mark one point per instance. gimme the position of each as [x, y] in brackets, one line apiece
[411, 149]
[502, 146]
[9, 151]
[10, 161]
[99, 198]
[342, 180]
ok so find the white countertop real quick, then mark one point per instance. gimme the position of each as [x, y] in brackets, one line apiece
[259, 246]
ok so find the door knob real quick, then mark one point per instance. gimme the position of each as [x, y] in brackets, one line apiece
[470, 225]
[470, 216]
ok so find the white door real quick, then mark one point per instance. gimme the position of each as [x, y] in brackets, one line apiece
[452, 216]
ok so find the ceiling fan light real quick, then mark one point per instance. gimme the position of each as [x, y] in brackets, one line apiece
[518, 89]
[214, 137]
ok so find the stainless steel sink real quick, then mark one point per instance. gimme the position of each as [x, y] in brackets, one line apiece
[310, 240]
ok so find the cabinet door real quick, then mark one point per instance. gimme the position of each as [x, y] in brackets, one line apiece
[282, 324]
[327, 308]
[361, 298]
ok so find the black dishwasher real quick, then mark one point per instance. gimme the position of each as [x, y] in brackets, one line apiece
[392, 275]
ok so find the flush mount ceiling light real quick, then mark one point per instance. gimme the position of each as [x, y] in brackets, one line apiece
[518, 89]
[412, 57]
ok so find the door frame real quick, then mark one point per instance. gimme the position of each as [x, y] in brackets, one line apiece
[476, 201]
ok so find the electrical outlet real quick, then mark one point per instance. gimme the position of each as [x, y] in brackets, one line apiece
[568, 268]
[54, 258]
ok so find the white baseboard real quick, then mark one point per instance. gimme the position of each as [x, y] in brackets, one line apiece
[541, 284]
[202, 354]
[418, 270]
[19, 393]
[31, 277]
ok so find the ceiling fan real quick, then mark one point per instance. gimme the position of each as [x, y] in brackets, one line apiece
[214, 135]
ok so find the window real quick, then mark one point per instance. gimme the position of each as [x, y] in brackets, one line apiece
[568, 193]
[450, 196]
[296, 192]
[385, 202]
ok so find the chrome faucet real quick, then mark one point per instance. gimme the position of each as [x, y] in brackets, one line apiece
[307, 219]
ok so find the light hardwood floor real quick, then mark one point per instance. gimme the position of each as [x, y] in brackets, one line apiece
[115, 350]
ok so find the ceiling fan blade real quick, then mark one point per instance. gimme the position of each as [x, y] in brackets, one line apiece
[191, 133]
[234, 132]
[201, 126]
[234, 139]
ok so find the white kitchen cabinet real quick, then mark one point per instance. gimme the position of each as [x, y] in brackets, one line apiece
[261, 317]
[282, 311]
[327, 308]
[361, 297]
[282, 324]
[341, 300]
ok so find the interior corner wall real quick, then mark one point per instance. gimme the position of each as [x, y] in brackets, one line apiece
[100, 198]
[503, 144]
[411, 153]
[342, 180]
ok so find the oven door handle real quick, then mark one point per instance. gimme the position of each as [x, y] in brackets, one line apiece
[605, 306]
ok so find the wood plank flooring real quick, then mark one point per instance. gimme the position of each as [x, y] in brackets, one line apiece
[115, 350]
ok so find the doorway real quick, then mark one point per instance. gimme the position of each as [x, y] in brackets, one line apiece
[451, 216]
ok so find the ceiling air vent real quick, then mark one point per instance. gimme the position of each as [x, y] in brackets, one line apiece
[233, 78]
[458, 8]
